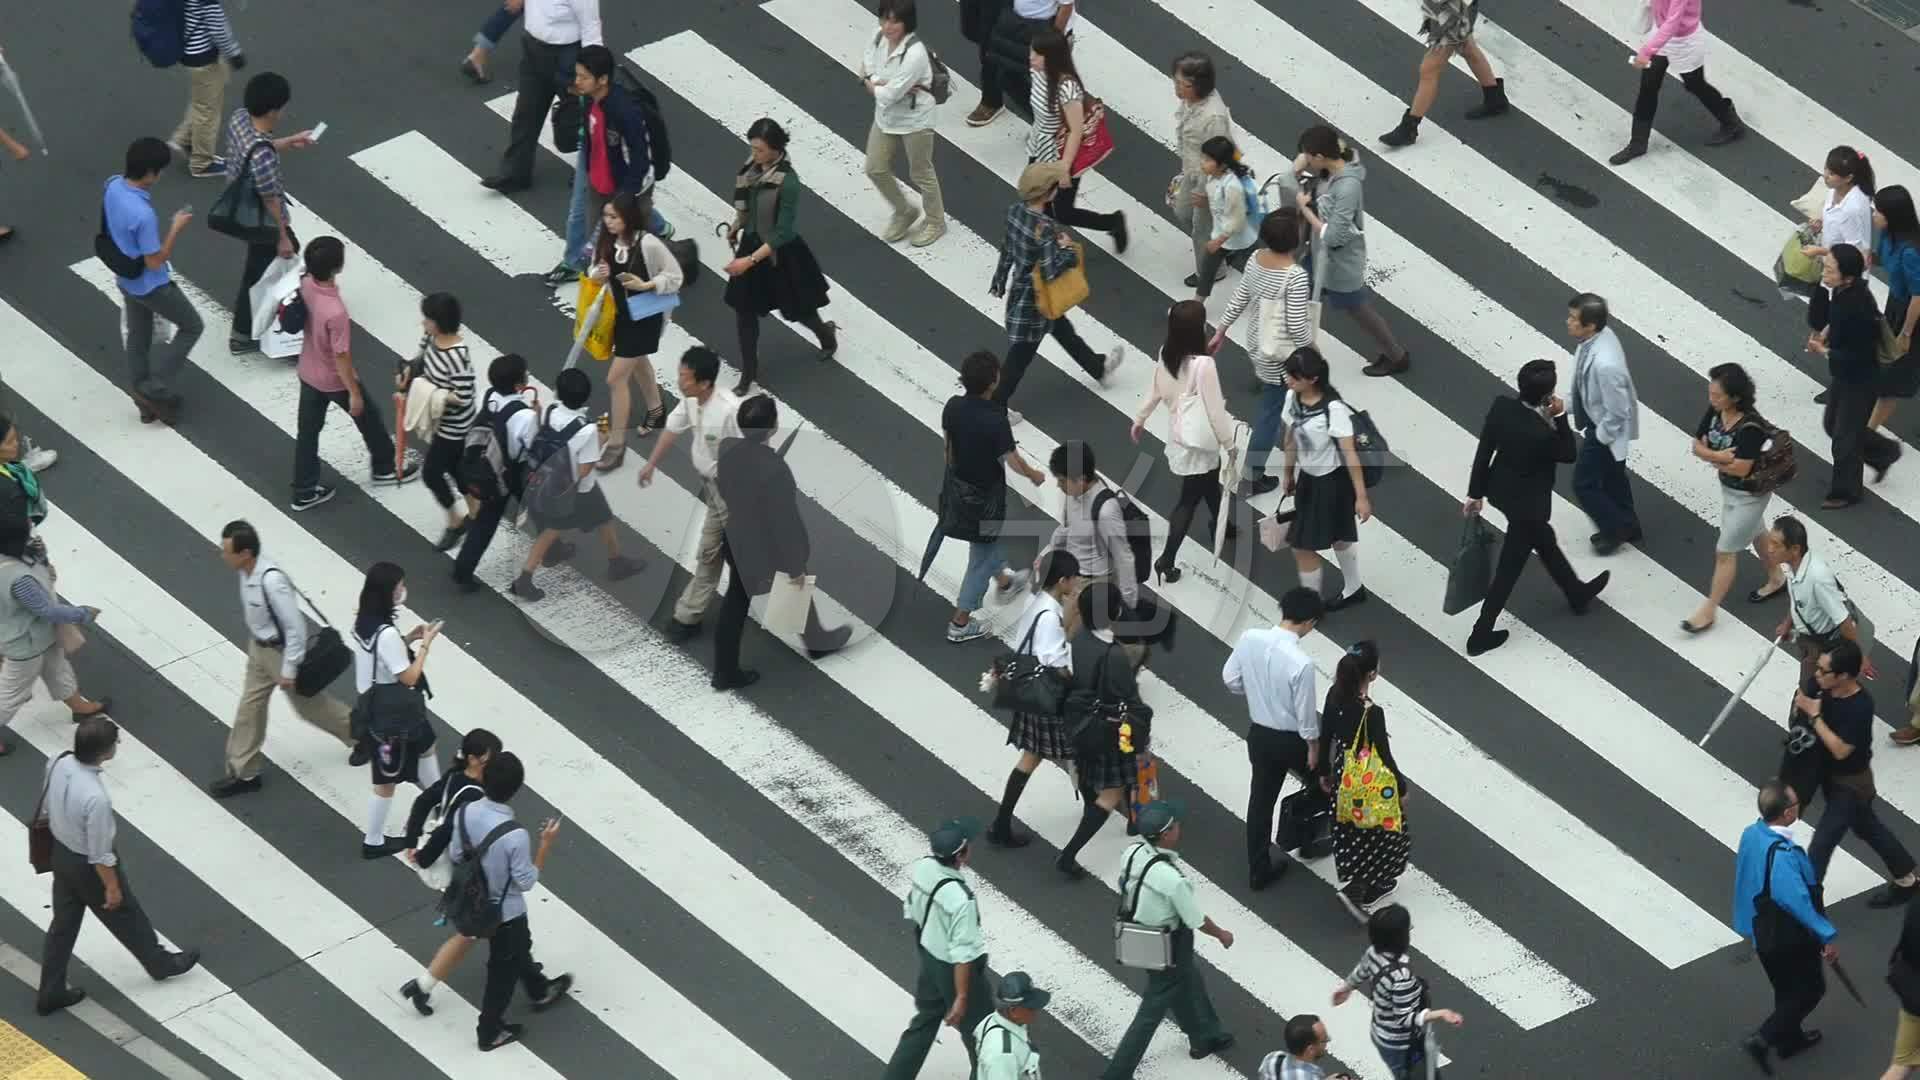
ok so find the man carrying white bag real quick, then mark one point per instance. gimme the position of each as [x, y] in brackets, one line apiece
[279, 323]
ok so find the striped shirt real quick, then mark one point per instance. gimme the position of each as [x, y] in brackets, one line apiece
[29, 595]
[1279, 1066]
[208, 30]
[1396, 995]
[1047, 137]
[451, 369]
[1258, 285]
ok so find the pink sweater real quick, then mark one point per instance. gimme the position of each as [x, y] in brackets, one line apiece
[1671, 19]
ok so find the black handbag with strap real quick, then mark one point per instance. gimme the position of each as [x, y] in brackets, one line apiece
[239, 212]
[1774, 927]
[327, 656]
[1023, 684]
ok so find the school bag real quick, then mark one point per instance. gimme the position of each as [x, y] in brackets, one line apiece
[1134, 522]
[160, 31]
[1775, 466]
[659, 148]
[552, 480]
[486, 469]
[469, 905]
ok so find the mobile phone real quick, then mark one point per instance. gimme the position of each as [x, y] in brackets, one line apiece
[319, 129]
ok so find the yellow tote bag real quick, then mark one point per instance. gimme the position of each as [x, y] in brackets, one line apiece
[1369, 793]
[599, 341]
[1064, 292]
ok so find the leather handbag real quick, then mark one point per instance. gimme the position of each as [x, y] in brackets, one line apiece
[1064, 291]
[969, 511]
[239, 211]
[40, 831]
[327, 655]
[1022, 684]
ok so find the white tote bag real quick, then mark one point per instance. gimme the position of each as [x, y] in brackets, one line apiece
[787, 604]
[1273, 339]
[281, 280]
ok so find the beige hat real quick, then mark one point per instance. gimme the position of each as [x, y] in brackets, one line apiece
[1040, 179]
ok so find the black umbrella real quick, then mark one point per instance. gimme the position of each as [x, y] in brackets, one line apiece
[1846, 980]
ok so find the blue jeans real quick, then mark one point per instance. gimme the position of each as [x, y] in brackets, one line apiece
[1408, 1063]
[1266, 428]
[495, 28]
[1600, 483]
[985, 559]
[583, 224]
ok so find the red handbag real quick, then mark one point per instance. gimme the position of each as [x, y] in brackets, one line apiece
[1097, 143]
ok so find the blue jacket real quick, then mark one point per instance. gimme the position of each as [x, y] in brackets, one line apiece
[628, 151]
[1793, 882]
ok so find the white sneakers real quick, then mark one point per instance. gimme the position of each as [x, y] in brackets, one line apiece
[1115, 357]
[40, 459]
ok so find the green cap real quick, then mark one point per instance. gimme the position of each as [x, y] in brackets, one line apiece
[951, 835]
[1017, 991]
[1158, 817]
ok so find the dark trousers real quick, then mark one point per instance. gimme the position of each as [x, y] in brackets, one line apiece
[747, 325]
[153, 377]
[1272, 755]
[1799, 982]
[1847, 810]
[1647, 102]
[77, 890]
[259, 257]
[510, 963]
[545, 72]
[1194, 490]
[1020, 354]
[1524, 538]
[732, 623]
[313, 417]
[1600, 483]
[1064, 211]
[439, 469]
[932, 997]
[1179, 990]
[1849, 407]
[480, 530]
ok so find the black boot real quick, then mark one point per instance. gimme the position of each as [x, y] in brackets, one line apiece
[1092, 817]
[1493, 101]
[1403, 135]
[1001, 833]
[1730, 128]
[1636, 147]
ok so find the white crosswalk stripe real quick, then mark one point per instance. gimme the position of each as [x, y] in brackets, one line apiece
[1519, 756]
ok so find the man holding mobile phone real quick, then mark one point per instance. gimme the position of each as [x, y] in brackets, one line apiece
[252, 146]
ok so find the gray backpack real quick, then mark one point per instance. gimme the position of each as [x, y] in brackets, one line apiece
[552, 479]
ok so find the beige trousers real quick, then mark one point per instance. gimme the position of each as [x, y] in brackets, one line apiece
[250, 716]
[199, 129]
[17, 678]
[698, 594]
[919, 148]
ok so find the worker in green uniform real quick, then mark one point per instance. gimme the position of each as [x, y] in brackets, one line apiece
[952, 987]
[1166, 900]
[1006, 1050]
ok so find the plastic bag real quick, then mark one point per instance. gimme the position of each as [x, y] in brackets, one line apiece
[281, 280]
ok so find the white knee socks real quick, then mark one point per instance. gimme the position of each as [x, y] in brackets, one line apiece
[377, 809]
[428, 771]
[1348, 556]
[1311, 578]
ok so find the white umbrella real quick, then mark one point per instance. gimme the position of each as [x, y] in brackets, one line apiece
[12, 81]
[1740, 693]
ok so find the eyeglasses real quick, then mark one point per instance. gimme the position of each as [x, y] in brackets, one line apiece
[1822, 669]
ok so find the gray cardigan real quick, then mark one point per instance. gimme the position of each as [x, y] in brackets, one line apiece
[1340, 248]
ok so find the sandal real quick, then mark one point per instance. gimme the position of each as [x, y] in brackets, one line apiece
[1759, 597]
[655, 420]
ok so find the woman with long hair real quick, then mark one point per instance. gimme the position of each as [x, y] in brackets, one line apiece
[1232, 200]
[1321, 470]
[385, 656]
[459, 785]
[1277, 287]
[1198, 427]
[1896, 249]
[1730, 437]
[1847, 215]
[1201, 116]
[1060, 119]
[1368, 856]
[1846, 330]
[630, 262]
[1041, 632]
[1448, 26]
[445, 363]
[773, 269]
[1400, 1010]
[1334, 208]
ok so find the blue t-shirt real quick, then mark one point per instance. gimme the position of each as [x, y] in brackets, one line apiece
[1902, 263]
[136, 232]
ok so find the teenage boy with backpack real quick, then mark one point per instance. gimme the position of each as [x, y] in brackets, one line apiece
[562, 486]
[492, 462]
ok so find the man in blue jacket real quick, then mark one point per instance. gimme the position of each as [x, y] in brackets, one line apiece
[616, 155]
[1791, 957]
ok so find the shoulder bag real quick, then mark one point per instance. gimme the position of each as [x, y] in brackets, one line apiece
[1022, 684]
[439, 874]
[392, 711]
[1146, 948]
[1098, 723]
[327, 657]
[1271, 339]
[40, 830]
[1067, 288]
[971, 512]
[1192, 427]
[239, 211]
[1097, 143]
[1774, 928]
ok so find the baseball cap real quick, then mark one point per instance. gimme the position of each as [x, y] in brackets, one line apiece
[951, 835]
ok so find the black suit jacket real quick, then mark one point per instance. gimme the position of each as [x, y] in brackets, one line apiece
[1514, 465]
[764, 530]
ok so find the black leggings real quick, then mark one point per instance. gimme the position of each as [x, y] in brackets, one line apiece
[1647, 102]
[1195, 489]
[747, 323]
[443, 460]
[1065, 212]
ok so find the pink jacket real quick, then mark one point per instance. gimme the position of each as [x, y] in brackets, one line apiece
[1671, 19]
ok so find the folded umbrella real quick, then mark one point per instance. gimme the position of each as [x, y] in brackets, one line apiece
[1727, 710]
[1846, 980]
[12, 82]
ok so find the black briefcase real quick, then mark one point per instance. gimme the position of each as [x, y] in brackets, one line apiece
[327, 655]
[1306, 824]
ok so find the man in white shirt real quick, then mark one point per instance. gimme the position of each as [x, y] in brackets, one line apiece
[1817, 612]
[712, 415]
[1606, 411]
[1275, 675]
[551, 37]
[590, 511]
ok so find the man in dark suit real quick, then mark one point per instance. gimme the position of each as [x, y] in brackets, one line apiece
[1522, 442]
[764, 536]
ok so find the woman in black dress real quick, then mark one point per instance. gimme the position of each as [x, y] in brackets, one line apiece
[1322, 473]
[1103, 670]
[772, 269]
[631, 261]
[1369, 857]
[1041, 631]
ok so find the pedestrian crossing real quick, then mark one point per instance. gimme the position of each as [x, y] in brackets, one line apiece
[725, 889]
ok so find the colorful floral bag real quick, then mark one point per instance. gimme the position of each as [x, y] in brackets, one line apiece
[1369, 793]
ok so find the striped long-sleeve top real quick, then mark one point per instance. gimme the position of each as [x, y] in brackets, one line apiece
[1258, 284]
[28, 594]
[208, 33]
[1396, 994]
[451, 369]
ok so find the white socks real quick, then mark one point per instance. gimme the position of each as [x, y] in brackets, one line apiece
[377, 809]
[1311, 578]
[1349, 559]
[426, 982]
[428, 771]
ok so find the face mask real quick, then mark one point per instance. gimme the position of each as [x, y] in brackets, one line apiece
[400, 596]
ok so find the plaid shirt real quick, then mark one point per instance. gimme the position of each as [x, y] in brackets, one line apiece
[1030, 238]
[1281, 1066]
[241, 139]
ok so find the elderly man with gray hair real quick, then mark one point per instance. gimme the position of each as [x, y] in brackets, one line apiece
[1606, 411]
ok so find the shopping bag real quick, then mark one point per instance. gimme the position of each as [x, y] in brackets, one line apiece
[281, 280]
[1471, 573]
[277, 344]
[1795, 264]
[1145, 788]
[1064, 291]
[598, 339]
[787, 604]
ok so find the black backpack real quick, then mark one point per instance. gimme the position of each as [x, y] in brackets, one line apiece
[659, 147]
[108, 252]
[1139, 530]
[468, 905]
[486, 469]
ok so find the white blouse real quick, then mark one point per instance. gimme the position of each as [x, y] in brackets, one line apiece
[1316, 436]
[1850, 221]
[382, 663]
[1200, 375]
[1048, 621]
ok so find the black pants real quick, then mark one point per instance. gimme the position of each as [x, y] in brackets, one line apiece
[747, 324]
[1065, 212]
[1799, 982]
[732, 623]
[1272, 755]
[510, 963]
[480, 530]
[259, 257]
[1847, 810]
[77, 889]
[313, 417]
[1194, 490]
[1849, 408]
[546, 71]
[440, 469]
[1647, 102]
[1020, 354]
[1524, 538]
